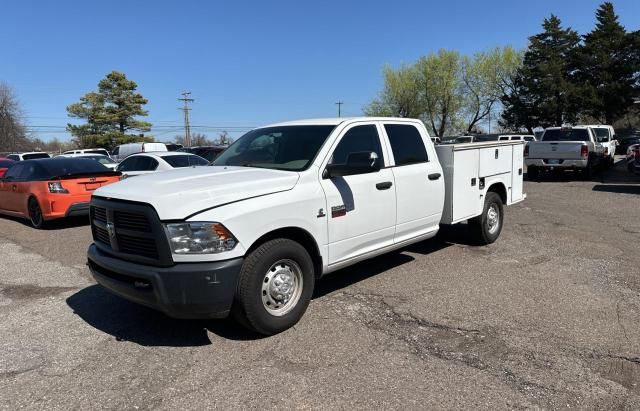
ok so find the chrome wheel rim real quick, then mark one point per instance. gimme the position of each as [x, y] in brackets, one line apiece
[493, 218]
[281, 287]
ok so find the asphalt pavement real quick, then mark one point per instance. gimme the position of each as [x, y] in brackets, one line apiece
[547, 317]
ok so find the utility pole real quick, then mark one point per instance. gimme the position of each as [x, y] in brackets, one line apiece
[187, 128]
[339, 104]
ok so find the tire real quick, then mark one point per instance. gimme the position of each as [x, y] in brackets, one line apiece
[587, 173]
[277, 268]
[486, 227]
[35, 213]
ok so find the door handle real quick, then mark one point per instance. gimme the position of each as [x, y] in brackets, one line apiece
[434, 176]
[384, 186]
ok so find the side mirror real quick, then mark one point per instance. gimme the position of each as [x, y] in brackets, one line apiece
[360, 162]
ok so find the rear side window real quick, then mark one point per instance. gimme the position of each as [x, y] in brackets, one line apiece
[503, 138]
[406, 143]
[358, 139]
[13, 157]
[14, 172]
[572, 134]
[185, 161]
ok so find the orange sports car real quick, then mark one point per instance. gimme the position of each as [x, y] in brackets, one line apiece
[46, 189]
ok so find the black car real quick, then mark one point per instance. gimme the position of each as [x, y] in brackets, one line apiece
[626, 142]
[207, 152]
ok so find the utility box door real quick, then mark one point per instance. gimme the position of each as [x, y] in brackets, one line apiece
[495, 160]
[466, 195]
[517, 173]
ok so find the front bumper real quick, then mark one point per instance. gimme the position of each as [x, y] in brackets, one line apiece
[184, 290]
[547, 163]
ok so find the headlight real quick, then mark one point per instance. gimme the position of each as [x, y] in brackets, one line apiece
[199, 238]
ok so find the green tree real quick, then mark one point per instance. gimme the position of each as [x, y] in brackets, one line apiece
[606, 67]
[544, 94]
[484, 79]
[399, 96]
[440, 92]
[111, 114]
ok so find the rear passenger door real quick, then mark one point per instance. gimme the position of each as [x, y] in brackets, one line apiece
[419, 181]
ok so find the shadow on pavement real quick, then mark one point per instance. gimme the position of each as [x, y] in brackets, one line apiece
[127, 321]
[618, 188]
[58, 224]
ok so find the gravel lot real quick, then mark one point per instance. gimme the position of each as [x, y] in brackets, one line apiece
[549, 316]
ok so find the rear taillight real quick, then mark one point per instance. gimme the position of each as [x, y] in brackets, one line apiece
[526, 150]
[584, 151]
[56, 187]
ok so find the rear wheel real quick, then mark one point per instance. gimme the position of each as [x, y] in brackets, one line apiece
[486, 227]
[587, 172]
[35, 213]
[275, 287]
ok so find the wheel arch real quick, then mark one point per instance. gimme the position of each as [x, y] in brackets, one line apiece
[299, 235]
[499, 188]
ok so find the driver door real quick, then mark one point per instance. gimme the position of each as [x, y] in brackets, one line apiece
[361, 208]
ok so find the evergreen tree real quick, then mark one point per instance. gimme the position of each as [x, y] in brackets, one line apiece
[544, 94]
[111, 114]
[606, 67]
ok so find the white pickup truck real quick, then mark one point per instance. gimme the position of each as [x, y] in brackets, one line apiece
[564, 148]
[606, 136]
[286, 204]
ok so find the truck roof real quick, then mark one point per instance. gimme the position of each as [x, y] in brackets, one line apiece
[336, 120]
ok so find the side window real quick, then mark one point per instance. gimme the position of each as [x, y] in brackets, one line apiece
[503, 138]
[406, 143]
[359, 138]
[115, 151]
[14, 172]
[13, 157]
[147, 164]
[129, 164]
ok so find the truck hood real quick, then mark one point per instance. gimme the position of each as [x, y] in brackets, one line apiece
[177, 194]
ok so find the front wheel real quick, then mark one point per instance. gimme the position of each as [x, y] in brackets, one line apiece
[275, 287]
[486, 227]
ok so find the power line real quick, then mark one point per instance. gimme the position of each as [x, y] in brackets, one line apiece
[187, 132]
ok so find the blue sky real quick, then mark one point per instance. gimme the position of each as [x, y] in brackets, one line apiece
[249, 63]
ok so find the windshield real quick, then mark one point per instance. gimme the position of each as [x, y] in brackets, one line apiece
[35, 155]
[186, 160]
[572, 134]
[290, 148]
[601, 132]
